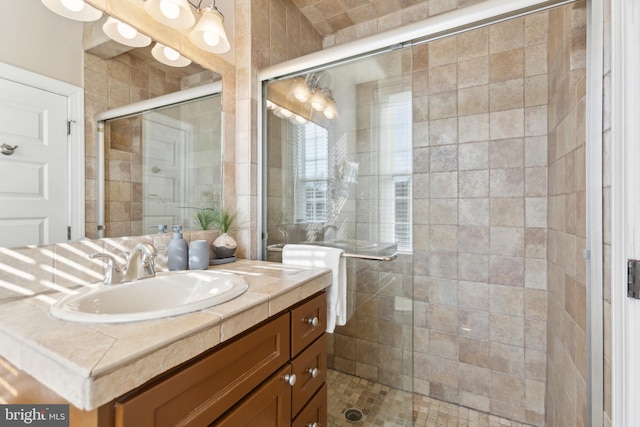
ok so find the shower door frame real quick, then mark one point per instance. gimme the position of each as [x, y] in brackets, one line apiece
[451, 23]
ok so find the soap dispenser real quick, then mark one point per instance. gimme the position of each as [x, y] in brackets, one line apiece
[177, 251]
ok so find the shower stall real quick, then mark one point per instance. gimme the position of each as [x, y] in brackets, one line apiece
[426, 159]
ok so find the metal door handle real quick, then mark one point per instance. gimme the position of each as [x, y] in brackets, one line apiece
[7, 150]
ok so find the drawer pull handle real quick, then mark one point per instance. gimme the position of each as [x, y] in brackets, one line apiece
[313, 425]
[313, 372]
[290, 379]
[313, 321]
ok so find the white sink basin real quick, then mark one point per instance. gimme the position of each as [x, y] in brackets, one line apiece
[166, 294]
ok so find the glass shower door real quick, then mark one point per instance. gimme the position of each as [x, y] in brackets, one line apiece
[338, 173]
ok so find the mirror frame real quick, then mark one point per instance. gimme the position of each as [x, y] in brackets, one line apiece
[209, 89]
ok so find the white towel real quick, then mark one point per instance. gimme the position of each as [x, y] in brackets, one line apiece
[322, 256]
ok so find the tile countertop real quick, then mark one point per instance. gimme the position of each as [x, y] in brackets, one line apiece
[91, 364]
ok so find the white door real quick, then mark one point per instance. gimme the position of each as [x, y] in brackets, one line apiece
[33, 180]
[164, 184]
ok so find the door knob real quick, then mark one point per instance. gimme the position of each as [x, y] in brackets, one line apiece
[7, 150]
[313, 321]
[290, 379]
[313, 372]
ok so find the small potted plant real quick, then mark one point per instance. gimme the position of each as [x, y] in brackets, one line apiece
[224, 220]
[205, 217]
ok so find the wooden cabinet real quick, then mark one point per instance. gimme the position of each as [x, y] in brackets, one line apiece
[268, 406]
[267, 377]
[315, 412]
[205, 389]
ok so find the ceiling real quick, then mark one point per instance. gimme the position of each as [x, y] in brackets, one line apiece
[329, 16]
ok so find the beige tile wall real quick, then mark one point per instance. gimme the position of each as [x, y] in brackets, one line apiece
[267, 32]
[44, 270]
[566, 395]
[480, 177]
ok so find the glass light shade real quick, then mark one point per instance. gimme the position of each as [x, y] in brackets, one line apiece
[174, 13]
[77, 10]
[330, 111]
[121, 32]
[299, 119]
[168, 56]
[300, 90]
[209, 34]
[318, 102]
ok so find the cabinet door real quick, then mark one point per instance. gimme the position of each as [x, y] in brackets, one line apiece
[308, 322]
[310, 369]
[268, 406]
[315, 413]
[207, 388]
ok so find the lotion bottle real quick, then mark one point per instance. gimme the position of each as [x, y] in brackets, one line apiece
[177, 251]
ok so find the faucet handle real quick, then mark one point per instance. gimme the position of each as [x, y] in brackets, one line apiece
[113, 268]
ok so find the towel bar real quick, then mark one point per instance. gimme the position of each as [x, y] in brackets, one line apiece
[278, 248]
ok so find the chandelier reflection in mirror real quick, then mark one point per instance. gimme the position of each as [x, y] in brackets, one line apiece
[207, 33]
[306, 96]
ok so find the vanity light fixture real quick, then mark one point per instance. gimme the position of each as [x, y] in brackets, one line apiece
[169, 56]
[306, 97]
[209, 34]
[174, 13]
[77, 10]
[125, 33]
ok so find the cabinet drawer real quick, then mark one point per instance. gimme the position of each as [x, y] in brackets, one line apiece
[268, 406]
[314, 412]
[310, 369]
[303, 319]
[210, 386]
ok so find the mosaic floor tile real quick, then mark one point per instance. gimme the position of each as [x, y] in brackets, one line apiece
[382, 405]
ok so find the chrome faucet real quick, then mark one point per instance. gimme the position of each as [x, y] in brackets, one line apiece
[140, 264]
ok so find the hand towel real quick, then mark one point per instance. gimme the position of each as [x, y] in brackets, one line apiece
[322, 256]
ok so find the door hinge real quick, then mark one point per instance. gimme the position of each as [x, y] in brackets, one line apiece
[69, 232]
[633, 278]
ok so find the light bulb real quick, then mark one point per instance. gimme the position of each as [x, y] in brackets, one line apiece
[171, 53]
[301, 120]
[126, 30]
[330, 110]
[317, 101]
[73, 5]
[211, 39]
[286, 113]
[300, 90]
[169, 9]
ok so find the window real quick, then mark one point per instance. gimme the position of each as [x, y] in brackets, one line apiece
[395, 166]
[311, 161]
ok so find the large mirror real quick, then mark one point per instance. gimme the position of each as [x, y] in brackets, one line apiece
[161, 164]
[113, 77]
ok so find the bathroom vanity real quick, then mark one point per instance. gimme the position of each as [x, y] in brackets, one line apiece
[259, 359]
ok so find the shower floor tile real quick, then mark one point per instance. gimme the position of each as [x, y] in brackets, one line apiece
[382, 405]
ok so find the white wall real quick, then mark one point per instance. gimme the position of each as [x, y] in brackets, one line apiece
[36, 39]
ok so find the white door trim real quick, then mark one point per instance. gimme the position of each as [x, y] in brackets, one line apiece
[75, 114]
[625, 200]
